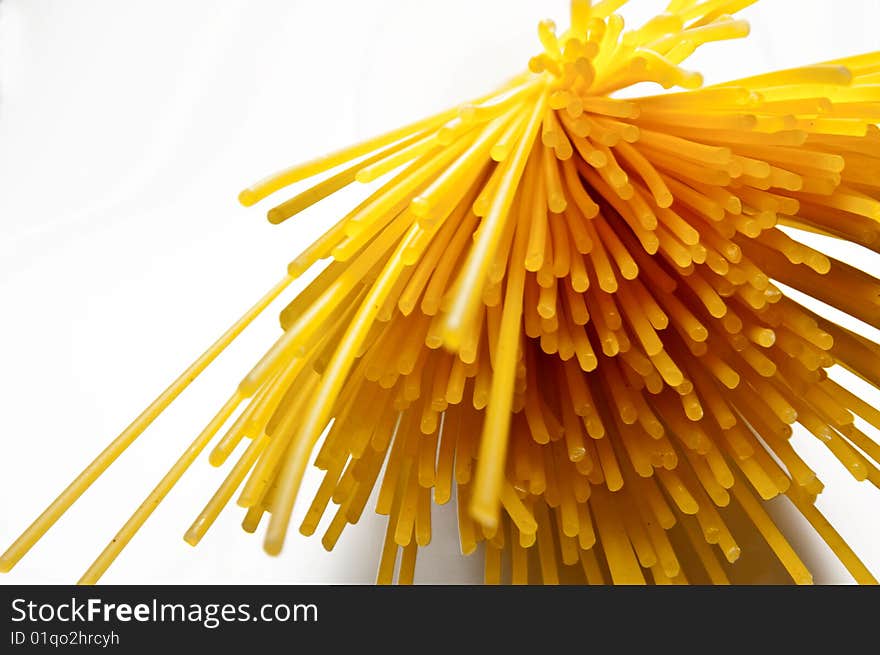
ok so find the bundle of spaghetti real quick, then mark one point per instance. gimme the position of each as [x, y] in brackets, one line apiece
[560, 307]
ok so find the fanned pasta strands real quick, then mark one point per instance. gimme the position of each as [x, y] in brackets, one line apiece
[562, 309]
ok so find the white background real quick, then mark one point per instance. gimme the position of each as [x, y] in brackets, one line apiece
[126, 131]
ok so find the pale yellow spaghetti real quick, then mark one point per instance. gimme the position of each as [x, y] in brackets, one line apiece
[561, 308]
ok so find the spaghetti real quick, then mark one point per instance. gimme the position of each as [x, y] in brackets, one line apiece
[560, 307]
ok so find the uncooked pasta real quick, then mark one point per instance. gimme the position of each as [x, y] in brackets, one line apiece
[561, 307]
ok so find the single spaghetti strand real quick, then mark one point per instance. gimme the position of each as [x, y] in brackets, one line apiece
[125, 534]
[493, 445]
[463, 304]
[316, 417]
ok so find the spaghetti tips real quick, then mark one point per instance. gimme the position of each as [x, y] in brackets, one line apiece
[562, 309]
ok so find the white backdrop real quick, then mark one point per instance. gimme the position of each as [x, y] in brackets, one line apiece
[126, 131]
